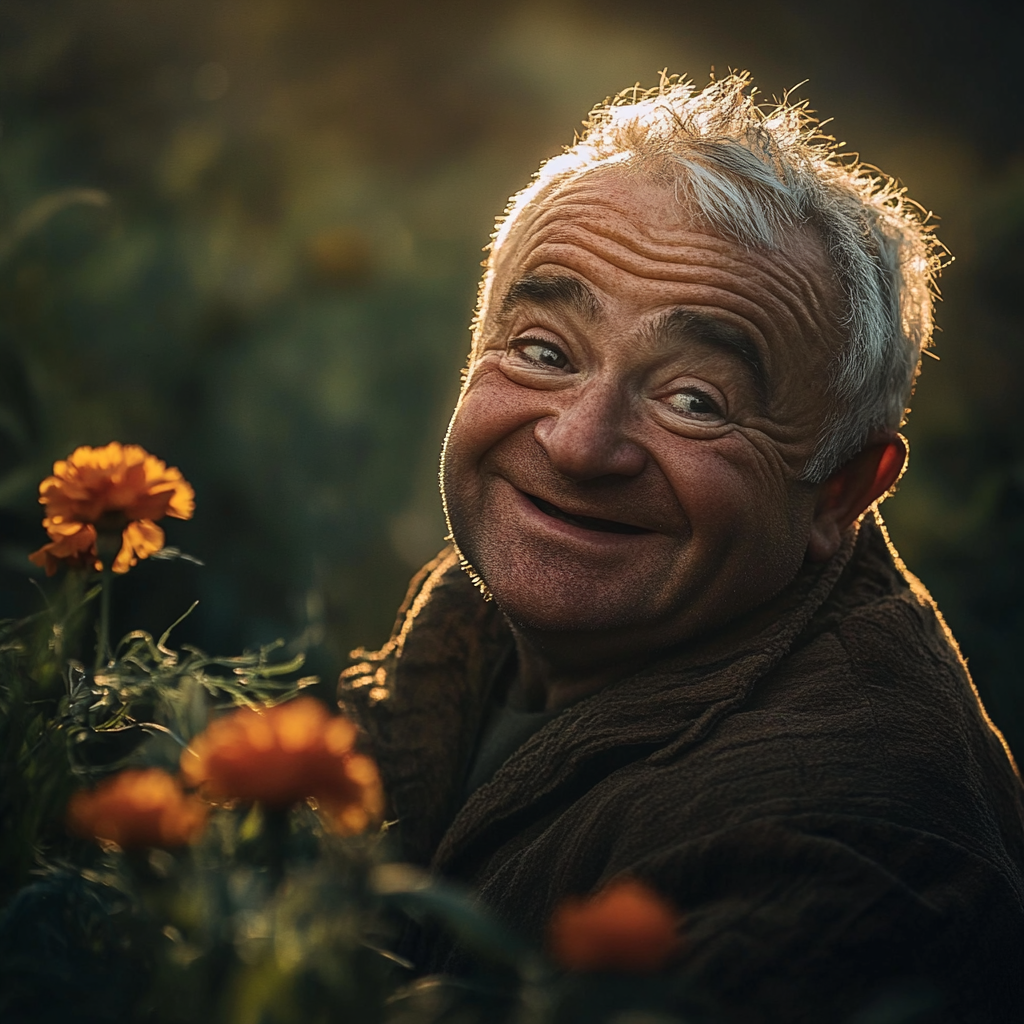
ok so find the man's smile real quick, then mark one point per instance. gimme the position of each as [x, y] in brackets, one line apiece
[585, 522]
[606, 473]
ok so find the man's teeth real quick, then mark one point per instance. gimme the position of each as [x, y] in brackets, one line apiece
[585, 522]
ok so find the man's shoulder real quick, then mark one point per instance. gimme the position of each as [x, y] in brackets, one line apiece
[884, 617]
[870, 714]
[879, 664]
[878, 645]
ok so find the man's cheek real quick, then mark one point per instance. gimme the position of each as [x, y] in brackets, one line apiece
[462, 489]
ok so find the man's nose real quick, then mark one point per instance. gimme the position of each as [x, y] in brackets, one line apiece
[586, 438]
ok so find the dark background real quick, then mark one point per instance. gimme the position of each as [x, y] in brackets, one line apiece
[246, 234]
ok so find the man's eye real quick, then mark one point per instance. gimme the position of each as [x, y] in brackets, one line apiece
[695, 404]
[543, 353]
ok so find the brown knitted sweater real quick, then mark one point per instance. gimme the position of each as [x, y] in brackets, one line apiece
[824, 798]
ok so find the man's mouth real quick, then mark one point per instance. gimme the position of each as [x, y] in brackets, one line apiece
[585, 522]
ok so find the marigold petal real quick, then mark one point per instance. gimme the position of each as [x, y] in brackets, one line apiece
[137, 808]
[70, 543]
[183, 502]
[145, 537]
[299, 724]
[115, 478]
[339, 736]
[58, 528]
[125, 557]
[353, 820]
[258, 733]
[44, 559]
[627, 927]
[147, 504]
[193, 766]
[281, 756]
[181, 823]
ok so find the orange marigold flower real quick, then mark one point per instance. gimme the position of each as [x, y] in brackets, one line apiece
[118, 489]
[281, 755]
[626, 927]
[138, 808]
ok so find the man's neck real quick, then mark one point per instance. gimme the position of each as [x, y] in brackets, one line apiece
[556, 670]
[543, 683]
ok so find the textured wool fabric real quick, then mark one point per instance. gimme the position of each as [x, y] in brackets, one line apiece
[505, 731]
[816, 787]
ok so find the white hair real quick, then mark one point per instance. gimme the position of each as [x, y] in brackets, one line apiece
[753, 172]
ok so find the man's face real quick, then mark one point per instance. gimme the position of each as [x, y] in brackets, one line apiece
[626, 452]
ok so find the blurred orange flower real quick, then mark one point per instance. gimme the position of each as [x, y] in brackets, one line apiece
[281, 755]
[138, 808]
[117, 490]
[627, 927]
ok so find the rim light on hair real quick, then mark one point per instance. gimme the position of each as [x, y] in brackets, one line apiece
[753, 172]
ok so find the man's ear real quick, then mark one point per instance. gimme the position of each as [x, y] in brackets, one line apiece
[852, 489]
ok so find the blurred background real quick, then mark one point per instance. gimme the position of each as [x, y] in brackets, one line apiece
[246, 234]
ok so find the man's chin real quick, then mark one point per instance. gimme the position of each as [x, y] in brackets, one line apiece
[548, 591]
[580, 622]
[565, 606]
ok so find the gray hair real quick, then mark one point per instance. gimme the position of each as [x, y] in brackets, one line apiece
[753, 171]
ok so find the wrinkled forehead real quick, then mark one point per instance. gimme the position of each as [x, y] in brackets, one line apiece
[642, 210]
[581, 196]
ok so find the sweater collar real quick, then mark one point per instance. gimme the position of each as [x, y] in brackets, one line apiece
[421, 701]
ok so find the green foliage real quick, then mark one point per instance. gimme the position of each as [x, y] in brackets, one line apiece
[268, 917]
[168, 696]
[251, 926]
[61, 726]
[35, 780]
[247, 236]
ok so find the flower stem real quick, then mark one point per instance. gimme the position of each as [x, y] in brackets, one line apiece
[103, 630]
[109, 534]
[276, 828]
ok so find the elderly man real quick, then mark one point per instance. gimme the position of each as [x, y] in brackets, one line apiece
[670, 639]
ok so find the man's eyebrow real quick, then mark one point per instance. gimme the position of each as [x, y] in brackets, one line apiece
[551, 290]
[685, 324]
